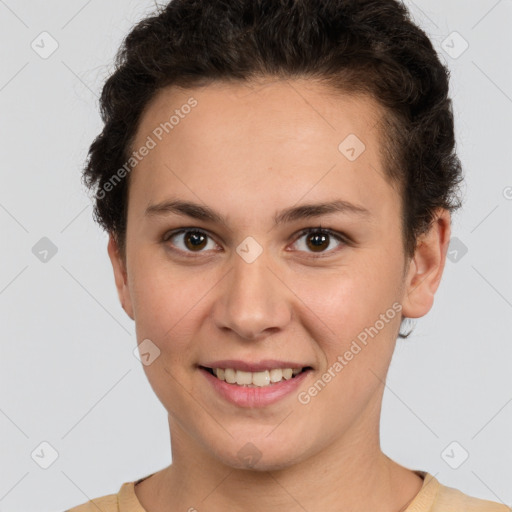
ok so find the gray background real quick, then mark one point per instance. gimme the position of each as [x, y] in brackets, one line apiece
[68, 375]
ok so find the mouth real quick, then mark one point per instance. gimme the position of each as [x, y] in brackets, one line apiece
[259, 379]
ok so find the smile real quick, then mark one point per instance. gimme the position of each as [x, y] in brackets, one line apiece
[254, 389]
[254, 379]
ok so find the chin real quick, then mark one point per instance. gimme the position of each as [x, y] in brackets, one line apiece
[261, 454]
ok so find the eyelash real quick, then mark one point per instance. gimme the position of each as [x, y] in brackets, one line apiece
[318, 230]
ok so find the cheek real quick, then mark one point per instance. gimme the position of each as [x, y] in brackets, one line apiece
[166, 312]
[359, 315]
[352, 298]
[165, 300]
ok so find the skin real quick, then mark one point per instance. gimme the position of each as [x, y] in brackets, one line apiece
[248, 151]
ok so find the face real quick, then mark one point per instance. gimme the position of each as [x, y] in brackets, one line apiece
[262, 234]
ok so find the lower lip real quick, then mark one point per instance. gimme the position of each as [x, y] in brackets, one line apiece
[255, 397]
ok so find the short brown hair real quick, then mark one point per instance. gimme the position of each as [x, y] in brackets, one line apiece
[368, 46]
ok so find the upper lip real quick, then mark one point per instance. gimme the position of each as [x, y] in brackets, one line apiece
[259, 366]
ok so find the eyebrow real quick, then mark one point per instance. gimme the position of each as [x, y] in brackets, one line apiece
[306, 211]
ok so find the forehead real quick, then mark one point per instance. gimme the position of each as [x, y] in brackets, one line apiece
[297, 136]
[284, 108]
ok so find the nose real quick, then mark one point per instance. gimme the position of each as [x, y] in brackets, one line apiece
[252, 300]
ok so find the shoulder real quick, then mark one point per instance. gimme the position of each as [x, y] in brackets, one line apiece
[124, 501]
[104, 503]
[449, 499]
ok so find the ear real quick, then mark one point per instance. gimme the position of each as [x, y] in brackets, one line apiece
[120, 276]
[426, 267]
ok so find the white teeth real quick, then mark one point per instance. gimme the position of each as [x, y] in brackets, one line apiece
[261, 379]
[255, 379]
[276, 375]
[230, 375]
[243, 377]
[287, 373]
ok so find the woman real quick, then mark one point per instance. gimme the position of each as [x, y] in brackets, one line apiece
[277, 179]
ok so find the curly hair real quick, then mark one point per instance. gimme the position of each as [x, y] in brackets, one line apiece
[355, 46]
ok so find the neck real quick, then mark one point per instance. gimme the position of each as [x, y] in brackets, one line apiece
[350, 474]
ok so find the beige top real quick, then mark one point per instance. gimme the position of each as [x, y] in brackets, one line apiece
[432, 497]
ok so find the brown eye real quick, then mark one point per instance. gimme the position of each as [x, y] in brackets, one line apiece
[319, 240]
[195, 240]
[189, 240]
